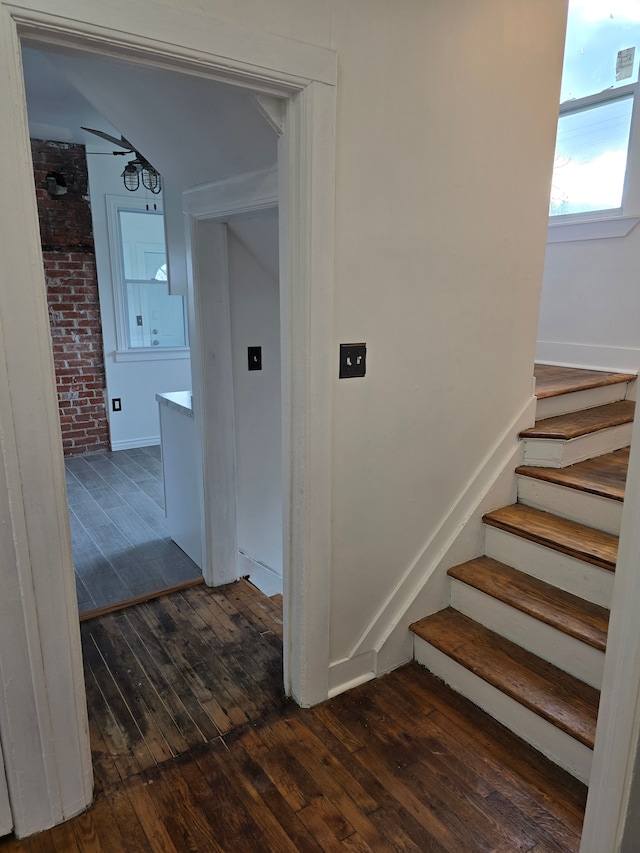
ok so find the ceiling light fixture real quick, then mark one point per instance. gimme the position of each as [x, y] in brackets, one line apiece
[140, 170]
[151, 179]
[131, 177]
[137, 169]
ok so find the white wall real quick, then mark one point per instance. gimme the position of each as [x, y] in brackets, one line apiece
[135, 382]
[445, 124]
[590, 308]
[255, 321]
[438, 266]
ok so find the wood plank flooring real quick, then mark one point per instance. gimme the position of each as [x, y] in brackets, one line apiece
[196, 748]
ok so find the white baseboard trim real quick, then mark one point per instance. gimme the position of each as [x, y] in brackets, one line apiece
[349, 672]
[266, 579]
[423, 588]
[131, 444]
[588, 356]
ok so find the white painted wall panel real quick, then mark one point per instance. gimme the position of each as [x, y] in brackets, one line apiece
[440, 239]
[255, 321]
[591, 303]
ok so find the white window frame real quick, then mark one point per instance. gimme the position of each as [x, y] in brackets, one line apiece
[124, 351]
[608, 222]
[591, 102]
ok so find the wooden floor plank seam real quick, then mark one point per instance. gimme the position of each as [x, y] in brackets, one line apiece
[400, 763]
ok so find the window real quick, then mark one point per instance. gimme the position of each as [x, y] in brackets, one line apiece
[148, 317]
[602, 53]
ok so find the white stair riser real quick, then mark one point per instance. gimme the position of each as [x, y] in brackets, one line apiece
[556, 647]
[549, 407]
[559, 453]
[592, 510]
[576, 576]
[558, 746]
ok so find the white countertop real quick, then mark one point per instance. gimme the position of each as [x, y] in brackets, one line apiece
[180, 401]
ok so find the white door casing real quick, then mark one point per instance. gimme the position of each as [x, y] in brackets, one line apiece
[42, 706]
[206, 209]
[6, 819]
[213, 406]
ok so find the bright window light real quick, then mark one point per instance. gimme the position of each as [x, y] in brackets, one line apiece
[602, 55]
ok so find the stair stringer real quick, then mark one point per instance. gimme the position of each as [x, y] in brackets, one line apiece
[423, 588]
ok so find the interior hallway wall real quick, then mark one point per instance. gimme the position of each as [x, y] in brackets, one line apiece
[72, 296]
[591, 303]
[255, 321]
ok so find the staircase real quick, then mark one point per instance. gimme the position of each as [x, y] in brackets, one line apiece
[525, 633]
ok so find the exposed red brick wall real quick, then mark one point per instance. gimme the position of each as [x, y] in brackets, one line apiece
[72, 295]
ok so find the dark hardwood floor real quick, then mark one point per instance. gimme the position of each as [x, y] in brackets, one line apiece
[196, 748]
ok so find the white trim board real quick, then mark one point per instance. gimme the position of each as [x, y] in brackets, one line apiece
[170, 37]
[589, 356]
[149, 441]
[49, 765]
[249, 191]
[603, 228]
[43, 718]
[213, 399]
[615, 755]
[267, 581]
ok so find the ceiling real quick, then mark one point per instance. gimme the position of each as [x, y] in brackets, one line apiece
[193, 130]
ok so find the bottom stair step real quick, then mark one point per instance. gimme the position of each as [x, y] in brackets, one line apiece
[539, 689]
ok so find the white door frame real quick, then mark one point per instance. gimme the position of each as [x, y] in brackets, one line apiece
[213, 397]
[207, 209]
[6, 818]
[43, 721]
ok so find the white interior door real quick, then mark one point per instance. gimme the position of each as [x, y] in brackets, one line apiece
[6, 820]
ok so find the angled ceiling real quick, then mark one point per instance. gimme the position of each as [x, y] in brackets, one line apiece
[193, 130]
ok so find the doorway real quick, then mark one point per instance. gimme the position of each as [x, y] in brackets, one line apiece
[298, 114]
[52, 691]
[122, 546]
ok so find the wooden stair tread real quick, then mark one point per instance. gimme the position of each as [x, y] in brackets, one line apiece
[551, 380]
[576, 424]
[566, 612]
[563, 700]
[603, 475]
[568, 537]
